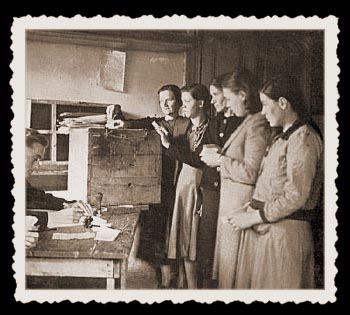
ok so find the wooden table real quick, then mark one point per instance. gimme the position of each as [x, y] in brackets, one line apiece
[86, 258]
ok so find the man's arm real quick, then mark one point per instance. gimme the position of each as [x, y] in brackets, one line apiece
[38, 199]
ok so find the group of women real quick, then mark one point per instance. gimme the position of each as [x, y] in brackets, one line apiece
[236, 201]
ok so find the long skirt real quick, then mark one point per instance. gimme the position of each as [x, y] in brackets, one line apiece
[232, 197]
[184, 224]
[282, 258]
[154, 233]
[207, 231]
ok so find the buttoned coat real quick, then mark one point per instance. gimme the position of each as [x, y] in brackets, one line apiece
[242, 155]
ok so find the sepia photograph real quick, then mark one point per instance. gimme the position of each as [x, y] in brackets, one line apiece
[187, 159]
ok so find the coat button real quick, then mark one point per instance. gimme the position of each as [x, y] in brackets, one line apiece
[221, 134]
[218, 168]
[216, 184]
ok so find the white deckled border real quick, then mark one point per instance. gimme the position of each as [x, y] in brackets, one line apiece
[329, 25]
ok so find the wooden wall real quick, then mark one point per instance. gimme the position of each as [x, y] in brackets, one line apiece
[268, 53]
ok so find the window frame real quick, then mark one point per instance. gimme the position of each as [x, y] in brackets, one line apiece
[53, 132]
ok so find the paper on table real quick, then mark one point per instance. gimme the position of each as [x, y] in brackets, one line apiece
[99, 221]
[73, 236]
[56, 224]
[106, 234]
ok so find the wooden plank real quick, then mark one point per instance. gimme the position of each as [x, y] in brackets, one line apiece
[123, 244]
[53, 248]
[123, 273]
[110, 284]
[126, 190]
[78, 163]
[54, 135]
[124, 141]
[28, 111]
[89, 248]
[125, 166]
[116, 41]
[95, 268]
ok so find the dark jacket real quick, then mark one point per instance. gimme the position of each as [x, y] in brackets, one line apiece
[39, 199]
[219, 130]
[155, 223]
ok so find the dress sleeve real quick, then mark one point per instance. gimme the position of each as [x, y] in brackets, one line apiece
[180, 150]
[246, 170]
[302, 157]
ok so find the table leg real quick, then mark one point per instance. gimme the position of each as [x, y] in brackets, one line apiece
[110, 284]
[123, 272]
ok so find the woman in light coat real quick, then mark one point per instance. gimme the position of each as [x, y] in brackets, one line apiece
[239, 161]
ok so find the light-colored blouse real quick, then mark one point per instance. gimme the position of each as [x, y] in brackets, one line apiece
[291, 174]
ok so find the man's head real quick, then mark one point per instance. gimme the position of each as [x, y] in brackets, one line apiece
[35, 150]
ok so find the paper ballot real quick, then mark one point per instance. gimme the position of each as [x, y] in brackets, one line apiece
[73, 236]
[104, 233]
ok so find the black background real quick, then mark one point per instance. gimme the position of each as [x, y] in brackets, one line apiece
[231, 9]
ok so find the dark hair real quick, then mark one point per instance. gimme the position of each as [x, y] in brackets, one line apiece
[174, 89]
[200, 93]
[217, 82]
[33, 136]
[243, 80]
[288, 86]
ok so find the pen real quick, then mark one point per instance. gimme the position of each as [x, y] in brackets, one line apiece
[93, 225]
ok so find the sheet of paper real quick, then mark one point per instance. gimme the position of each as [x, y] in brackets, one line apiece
[73, 236]
[56, 224]
[106, 234]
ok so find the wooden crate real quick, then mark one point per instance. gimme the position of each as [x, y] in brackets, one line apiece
[125, 165]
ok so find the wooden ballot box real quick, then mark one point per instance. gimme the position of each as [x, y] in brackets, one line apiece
[124, 165]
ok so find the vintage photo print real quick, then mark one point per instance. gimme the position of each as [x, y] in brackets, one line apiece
[175, 159]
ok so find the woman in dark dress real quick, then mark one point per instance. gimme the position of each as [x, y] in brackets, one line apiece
[219, 129]
[154, 223]
[217, 132]
[188, 199]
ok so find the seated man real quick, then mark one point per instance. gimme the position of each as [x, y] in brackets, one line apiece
[38, 199]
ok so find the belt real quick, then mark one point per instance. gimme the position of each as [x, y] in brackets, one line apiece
[302, 215]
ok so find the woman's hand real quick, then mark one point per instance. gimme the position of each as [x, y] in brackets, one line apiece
[164, 137]
[211, 157]
[244, 219]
